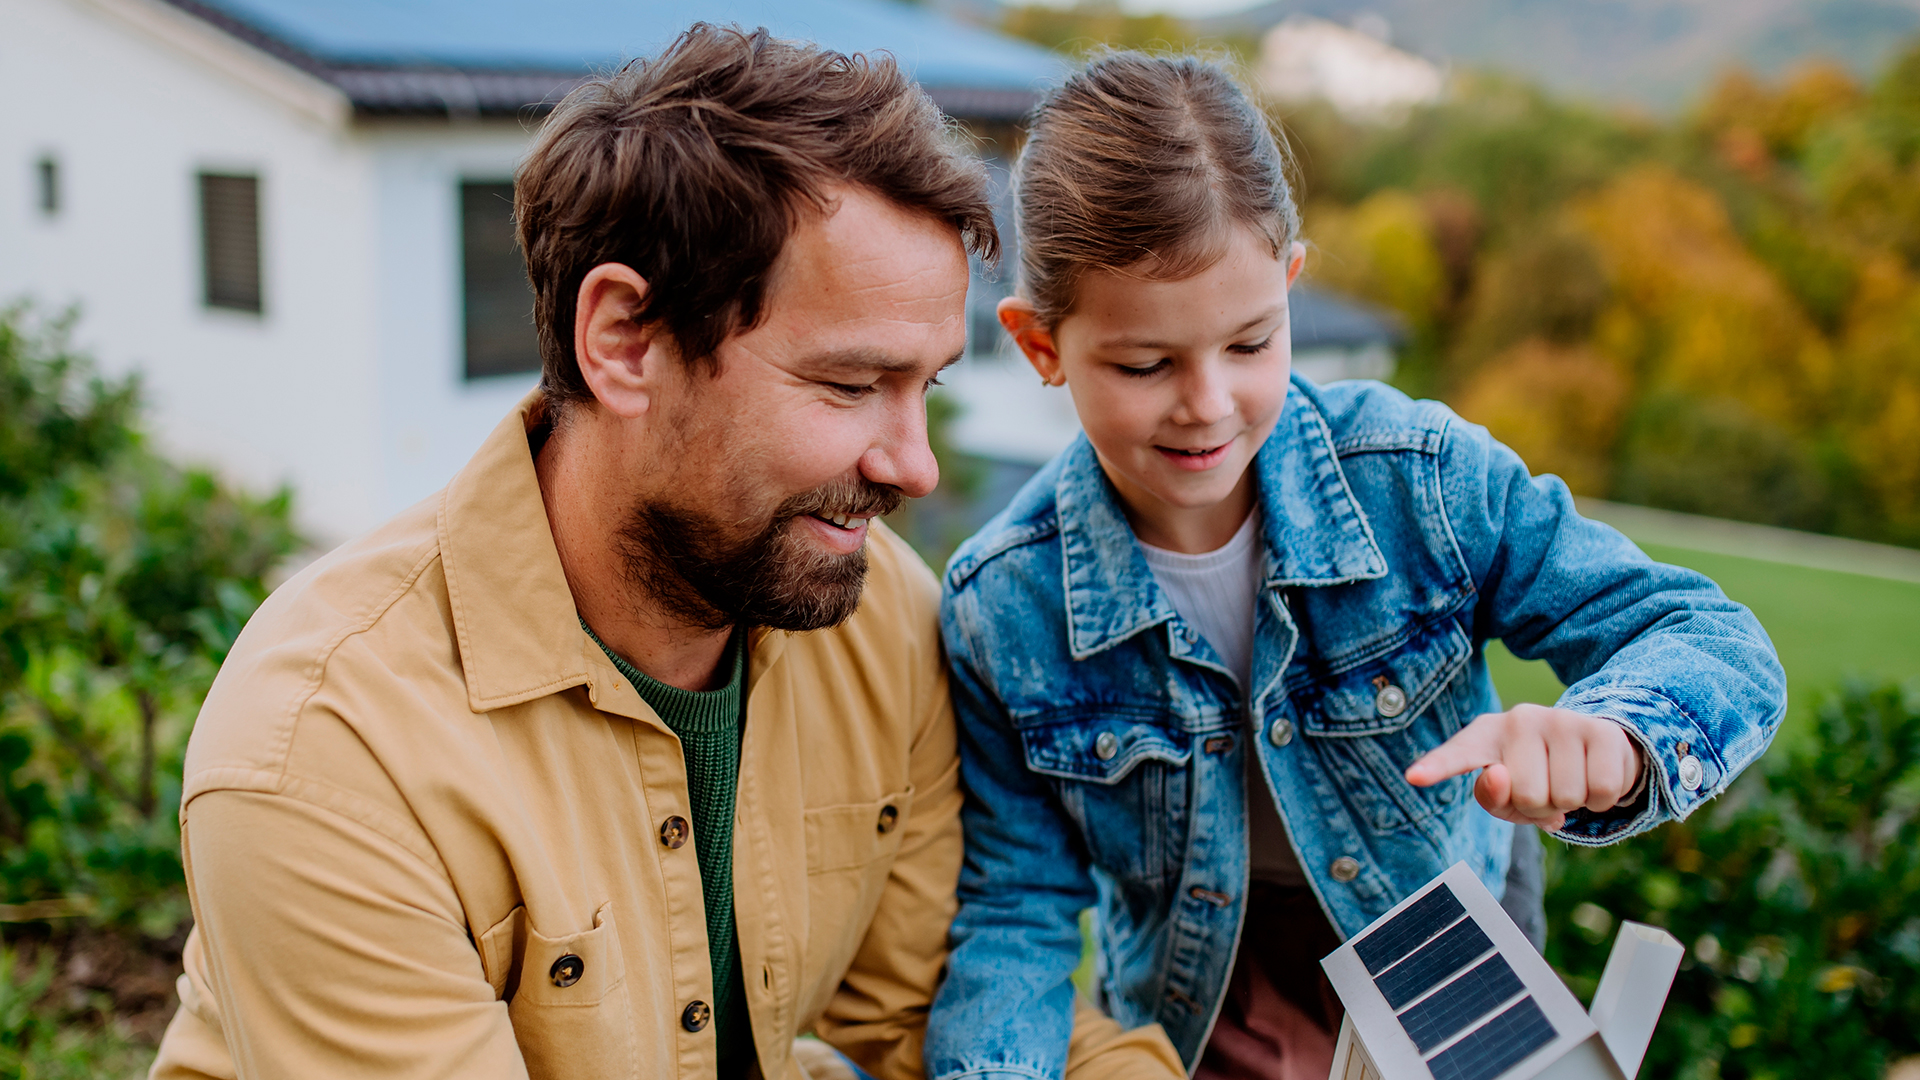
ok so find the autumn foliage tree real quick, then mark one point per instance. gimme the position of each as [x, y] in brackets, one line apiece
[1718, 314]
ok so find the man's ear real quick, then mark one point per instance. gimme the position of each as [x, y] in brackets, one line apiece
[1296, 259]
[620, 360]
[1035, 340]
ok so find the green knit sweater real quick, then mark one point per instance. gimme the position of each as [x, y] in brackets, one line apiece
[708, 723]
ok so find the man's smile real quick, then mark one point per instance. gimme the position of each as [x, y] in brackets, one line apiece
[842, 534]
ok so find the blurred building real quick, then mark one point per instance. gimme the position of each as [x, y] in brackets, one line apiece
[293, 218]
[1307, 59]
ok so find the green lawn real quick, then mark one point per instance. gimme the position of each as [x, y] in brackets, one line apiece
[1827, 625]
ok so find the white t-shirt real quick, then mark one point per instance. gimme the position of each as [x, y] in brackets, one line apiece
[1215, 593]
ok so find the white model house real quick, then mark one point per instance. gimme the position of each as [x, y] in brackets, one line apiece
[1446, 987]
[291, 217]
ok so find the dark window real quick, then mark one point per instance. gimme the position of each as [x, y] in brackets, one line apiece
[230, 240]
[497, 297]
[48, 171]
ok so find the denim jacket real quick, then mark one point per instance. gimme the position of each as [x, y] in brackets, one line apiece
[1102, 738]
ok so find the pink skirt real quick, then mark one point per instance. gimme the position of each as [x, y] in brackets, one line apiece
[1280, 1014]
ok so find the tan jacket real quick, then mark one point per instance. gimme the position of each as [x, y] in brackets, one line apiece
[417, 785]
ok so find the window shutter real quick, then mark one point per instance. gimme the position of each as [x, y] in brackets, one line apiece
[497, 297]
[230, 240]
[49, 176]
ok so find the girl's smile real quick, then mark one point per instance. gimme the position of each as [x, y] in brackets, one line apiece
[1198, 460]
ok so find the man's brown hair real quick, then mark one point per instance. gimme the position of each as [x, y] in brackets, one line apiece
[693, 166]
[1141, 165]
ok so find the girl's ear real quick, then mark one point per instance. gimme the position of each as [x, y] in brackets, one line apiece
[1035, 340]
[620, 360]
[1296, 259]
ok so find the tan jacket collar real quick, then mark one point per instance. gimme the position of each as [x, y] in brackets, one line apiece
[518, 631]
[513, 613]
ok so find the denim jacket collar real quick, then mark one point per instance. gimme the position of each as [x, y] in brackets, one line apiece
[1315, 531]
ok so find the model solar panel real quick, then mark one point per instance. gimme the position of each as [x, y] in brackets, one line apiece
[1446, 987]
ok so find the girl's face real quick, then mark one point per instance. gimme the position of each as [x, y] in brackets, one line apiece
[1178, 383]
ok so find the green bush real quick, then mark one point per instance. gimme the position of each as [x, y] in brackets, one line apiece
[123, 582]
[35, 1043]
[1797, 895]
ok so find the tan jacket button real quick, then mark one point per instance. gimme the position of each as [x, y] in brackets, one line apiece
[567, 970]
[674, 831]
[889, 817]
[695, 1015]
[1345, 868]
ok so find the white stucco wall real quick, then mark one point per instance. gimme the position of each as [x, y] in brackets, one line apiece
[350, 386]
[132, 116]
[431, 419]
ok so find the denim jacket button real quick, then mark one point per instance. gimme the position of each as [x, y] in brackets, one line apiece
[1107, 745]
[1391, 701]
[1344, 869]
[1691, 773]
[1280, 732]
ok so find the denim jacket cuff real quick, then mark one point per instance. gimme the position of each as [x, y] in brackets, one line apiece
[992, 1072]
[1681, 769]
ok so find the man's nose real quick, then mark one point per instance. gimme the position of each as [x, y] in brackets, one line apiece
[901, 456]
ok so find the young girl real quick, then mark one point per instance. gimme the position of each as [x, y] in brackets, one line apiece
[1219, 667]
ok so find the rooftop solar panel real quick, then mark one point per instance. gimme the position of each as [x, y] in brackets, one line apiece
[1432, 963]
[1409, 930]
[1496, 1046]
[1457, 1005]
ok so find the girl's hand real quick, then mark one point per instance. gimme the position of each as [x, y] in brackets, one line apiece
[1538, 763]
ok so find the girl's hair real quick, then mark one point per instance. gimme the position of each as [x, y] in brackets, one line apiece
[1143, 165]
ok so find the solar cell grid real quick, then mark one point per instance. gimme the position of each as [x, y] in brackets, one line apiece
[1406, 931]
[1432, 963]
[1455, 1006]
[1497, 1046]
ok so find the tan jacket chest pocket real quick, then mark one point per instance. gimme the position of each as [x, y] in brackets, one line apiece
[850, 850]
[566, 997]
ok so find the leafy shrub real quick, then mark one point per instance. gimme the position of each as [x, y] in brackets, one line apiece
[123, 582]
[1717, 457]
[1797, 895]
[37, 1042]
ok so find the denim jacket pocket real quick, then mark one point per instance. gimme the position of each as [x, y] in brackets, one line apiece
[1388, 689]
[1373, 718]
[1122, 777]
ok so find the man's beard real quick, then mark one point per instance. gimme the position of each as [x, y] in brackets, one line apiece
[713, 574]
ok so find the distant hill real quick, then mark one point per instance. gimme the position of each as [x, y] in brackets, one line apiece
[1659, 53]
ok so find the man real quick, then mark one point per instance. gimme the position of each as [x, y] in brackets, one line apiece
[601, 763]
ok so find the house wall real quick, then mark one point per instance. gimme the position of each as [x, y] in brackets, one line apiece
[133, 100]
[431, 417]
[350, 386]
